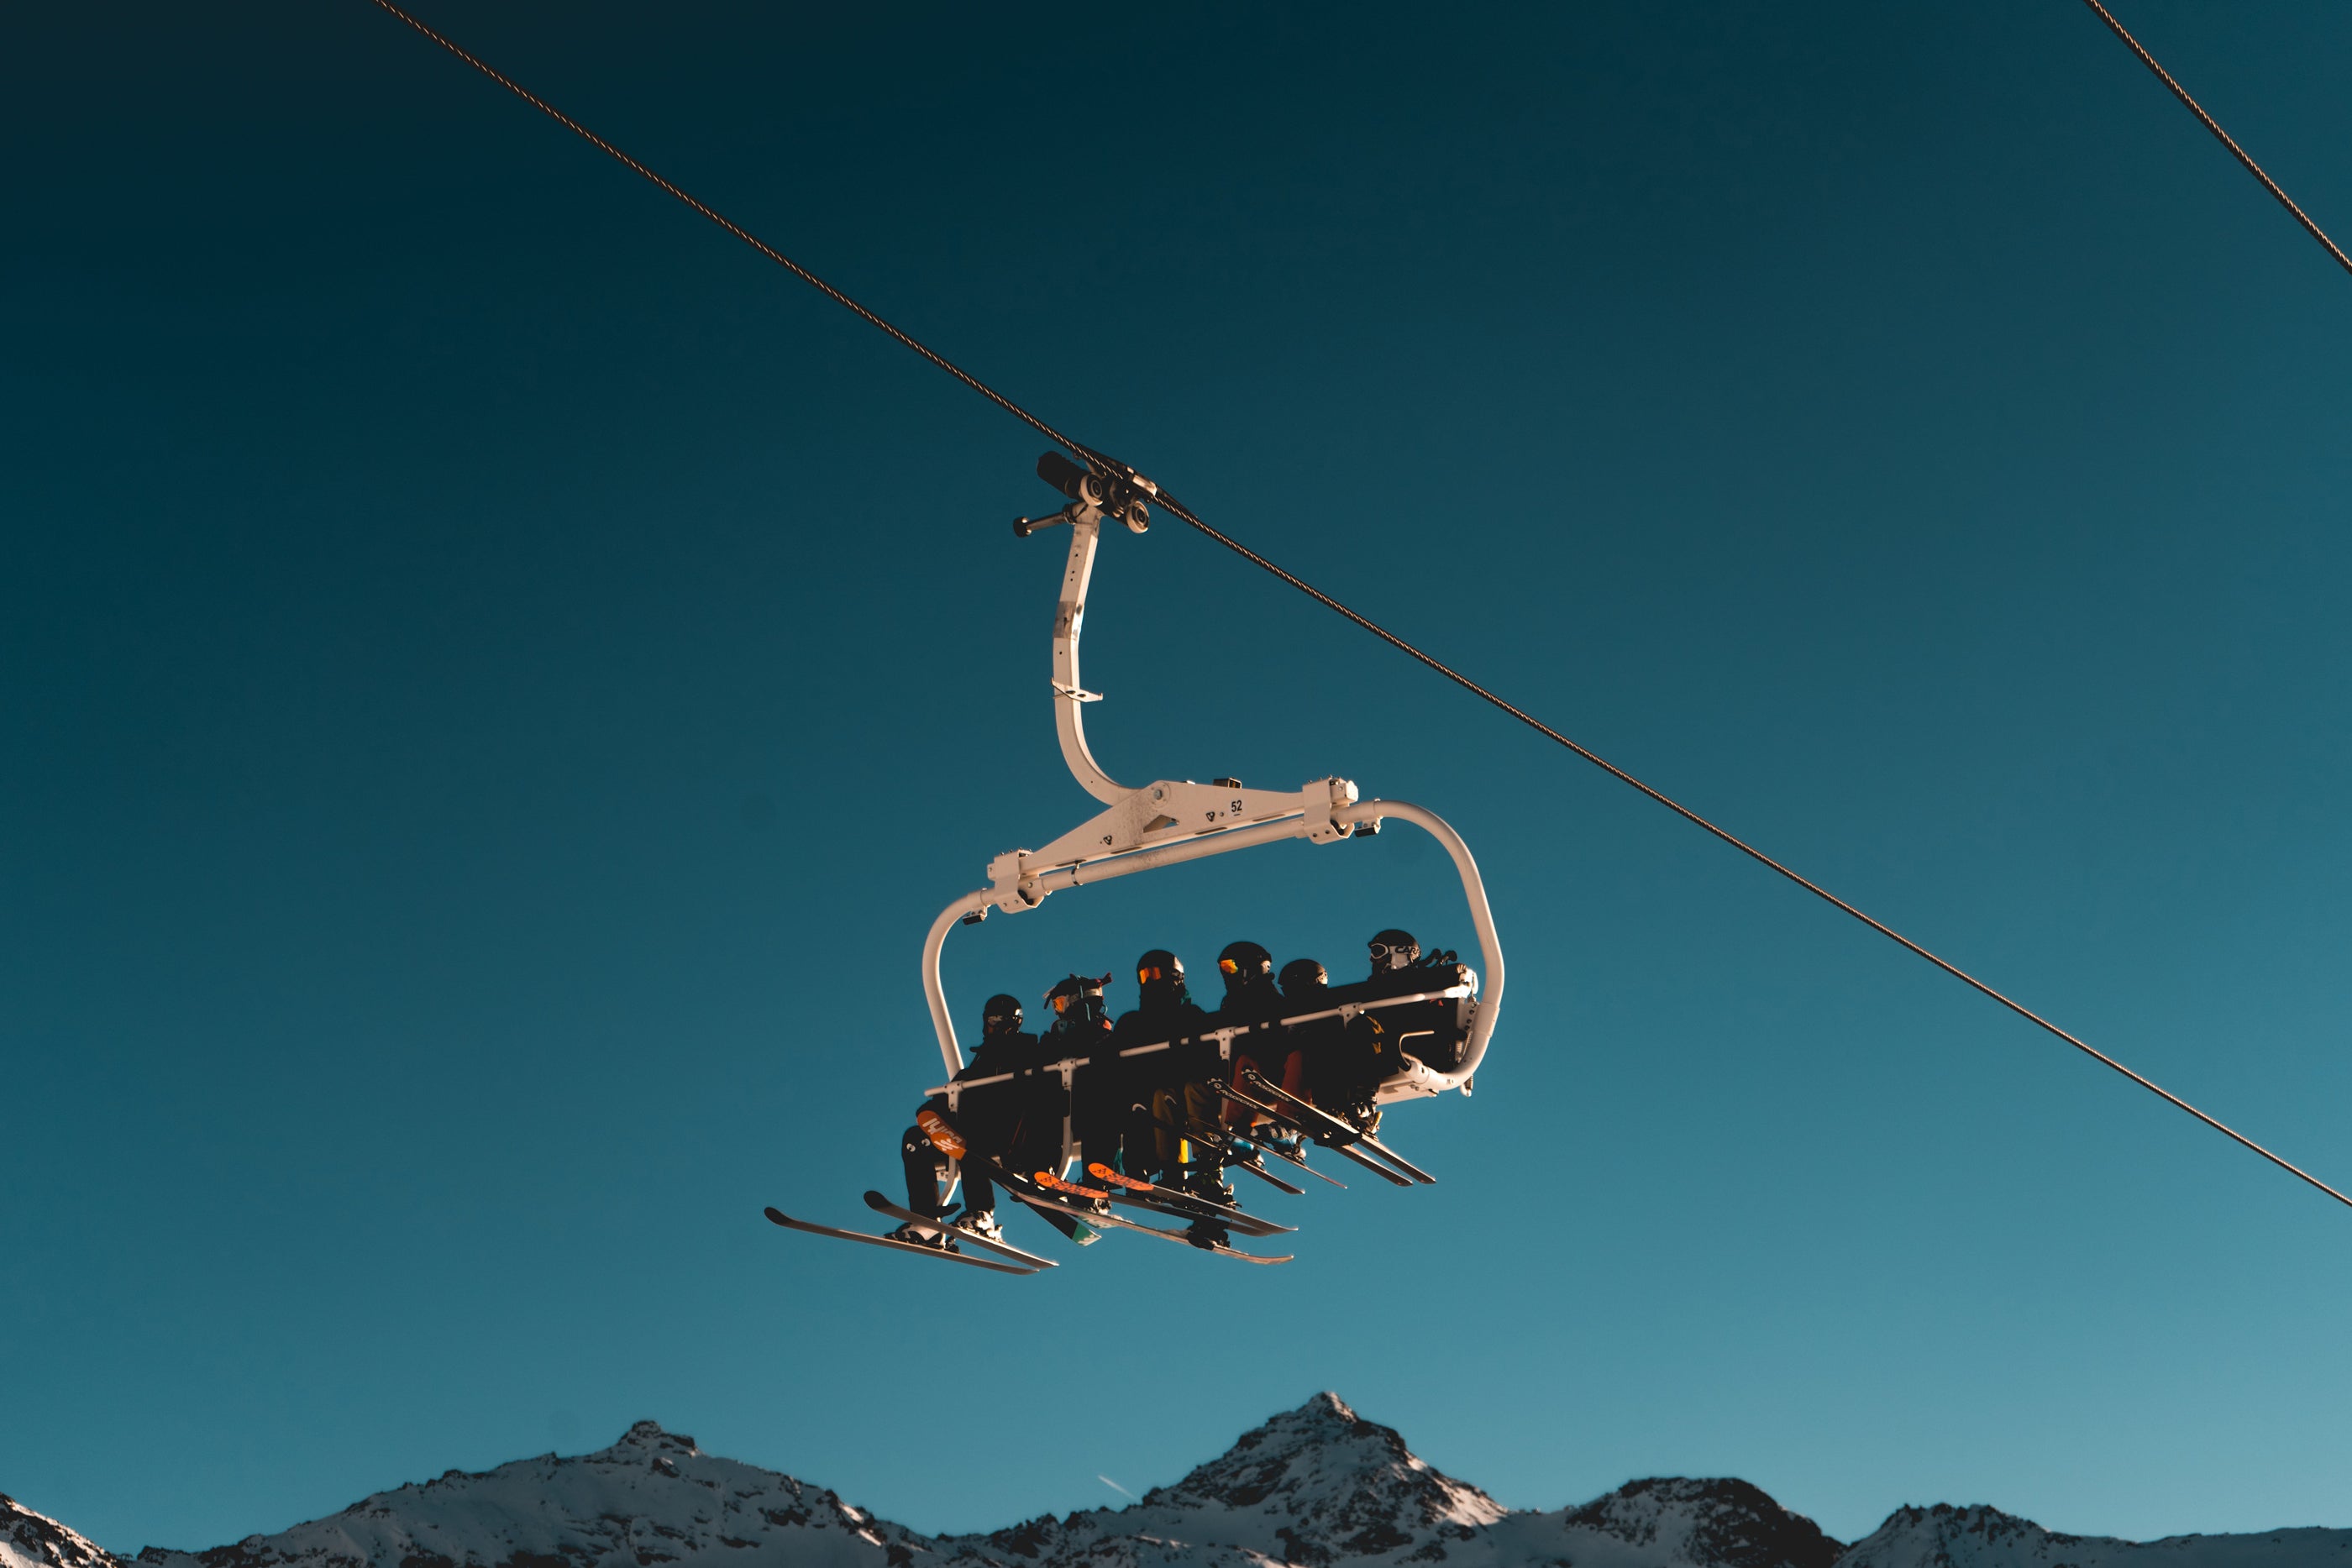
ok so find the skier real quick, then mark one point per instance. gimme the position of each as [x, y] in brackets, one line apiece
[1103, 1118]
[1392, 952]
[1345, 1057]
[1250, 997]
[991, 1121]
[1078, 1014]
[1433, 1031]
[1159, 1079]
[1250, 993]
[1306, 985]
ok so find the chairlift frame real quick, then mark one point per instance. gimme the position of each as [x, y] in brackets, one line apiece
[1172, 820]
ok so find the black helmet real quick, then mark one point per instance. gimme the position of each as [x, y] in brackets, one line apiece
[1161, 976]
[1393, 949]
[1076, 990]
[1000, 1015]
[1244, 964]
[1159, 964]
[1301, 976]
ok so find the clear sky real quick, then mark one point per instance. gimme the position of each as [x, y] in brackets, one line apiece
[499, 678]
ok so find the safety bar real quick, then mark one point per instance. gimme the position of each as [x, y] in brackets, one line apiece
[1346, 1010]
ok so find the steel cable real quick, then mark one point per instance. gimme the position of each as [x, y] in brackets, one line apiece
[2220, 135]
[1179, 510]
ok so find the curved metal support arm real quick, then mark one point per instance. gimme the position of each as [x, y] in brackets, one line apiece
[953, 915]
[1069, 619]
[1482, 919]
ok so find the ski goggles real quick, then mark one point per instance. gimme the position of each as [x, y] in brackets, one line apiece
[1064, 992]
[1388, 958]
[1152, 972]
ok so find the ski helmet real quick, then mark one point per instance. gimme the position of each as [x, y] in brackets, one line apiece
[1244, 964]
[1302, 975]
[1393, 949]
[1000, 1015]
[1159, 964]
[1077, 988]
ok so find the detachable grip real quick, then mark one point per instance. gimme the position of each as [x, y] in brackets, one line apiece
[1062, 473]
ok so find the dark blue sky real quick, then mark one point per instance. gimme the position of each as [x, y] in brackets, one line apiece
[500, 678]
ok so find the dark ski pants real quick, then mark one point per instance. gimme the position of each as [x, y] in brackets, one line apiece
[1196, 1107]
[926, 1167]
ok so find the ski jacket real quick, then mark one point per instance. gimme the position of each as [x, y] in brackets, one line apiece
[989, 1117]
[1149, 1026]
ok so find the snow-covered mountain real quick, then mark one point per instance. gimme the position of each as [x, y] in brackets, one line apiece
[653, 1496]
[1948, 1537]
[1317, 1487]
[30, 1540]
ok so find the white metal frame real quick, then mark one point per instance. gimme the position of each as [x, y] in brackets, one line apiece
[1171, 820]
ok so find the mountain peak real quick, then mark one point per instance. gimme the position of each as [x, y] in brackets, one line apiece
[1710, 1521]
[647, 1436]
[1916, 1537]
[30, 1540]
[1313, 1486]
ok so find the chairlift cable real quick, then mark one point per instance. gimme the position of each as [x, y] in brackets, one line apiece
[754, 241]
[1179, 510]
[2219, 134]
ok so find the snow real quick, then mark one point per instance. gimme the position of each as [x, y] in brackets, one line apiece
[1318, 1487]
[651, 1498]
[30, 1540]
[1981, 1537]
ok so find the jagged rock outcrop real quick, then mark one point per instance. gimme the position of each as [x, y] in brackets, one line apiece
[1704, 1522]
[30, 1540]
[1981, 1537]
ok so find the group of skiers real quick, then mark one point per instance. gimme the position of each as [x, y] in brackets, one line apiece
[1159, 1115]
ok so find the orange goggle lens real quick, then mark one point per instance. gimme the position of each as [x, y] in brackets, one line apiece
[1145, 976]
[1229, 967]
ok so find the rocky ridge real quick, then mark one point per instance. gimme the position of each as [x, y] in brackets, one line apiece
[1317, 1487]
[1979, 1537]
[651, 1498]
[30, 1540]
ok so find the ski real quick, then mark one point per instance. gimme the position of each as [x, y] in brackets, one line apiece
[1044, 1202]
[1272, 1180]
[1048, 1180]
[789, 1223]
[1300, 1161]
[880, 1205]
[1179, 1204]
[1345, 1151]
[1338, 1128]
[1251, 1165]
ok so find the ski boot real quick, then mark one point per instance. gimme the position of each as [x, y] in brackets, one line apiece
[916, 1236]
[983, 1224]
[1206, 1234]
[1209, 1182]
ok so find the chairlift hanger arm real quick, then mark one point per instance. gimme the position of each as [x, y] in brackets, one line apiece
[1093, 497]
